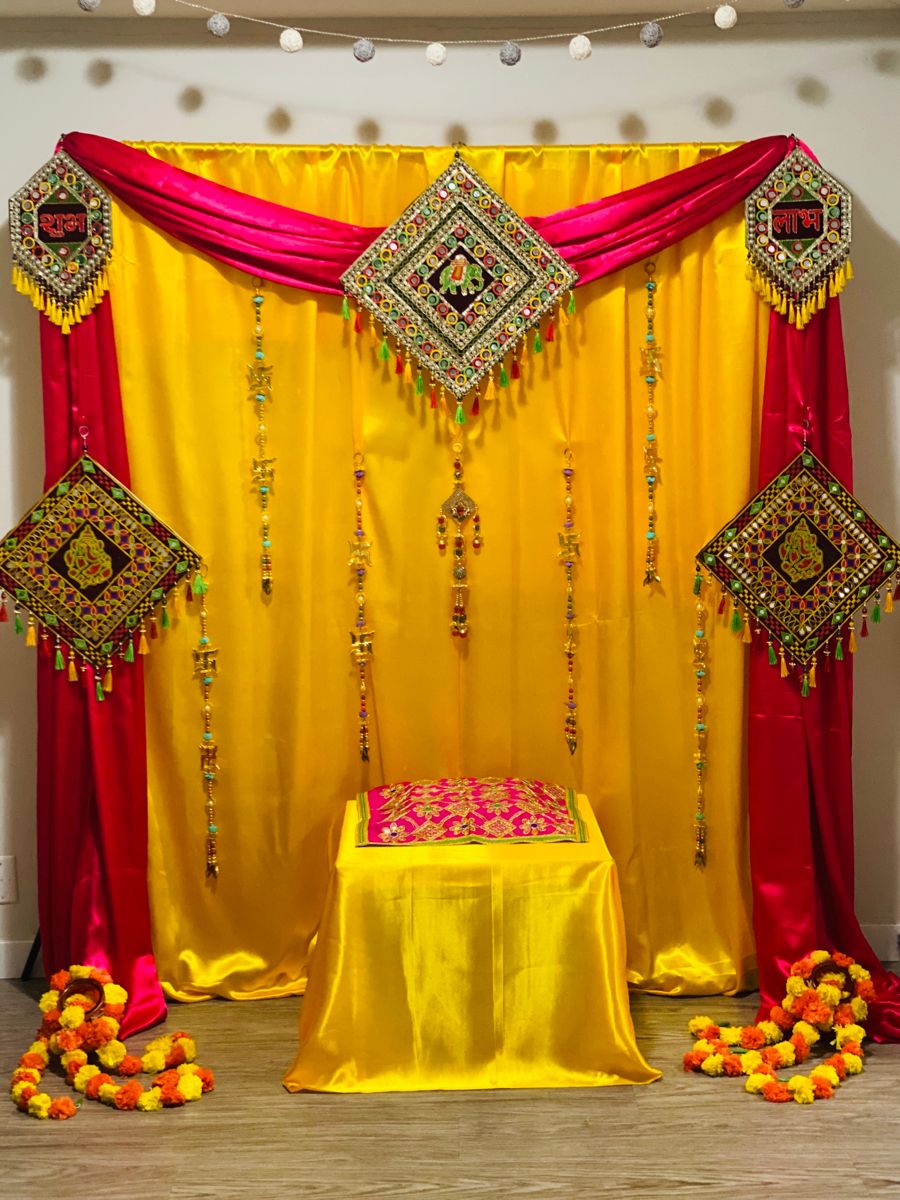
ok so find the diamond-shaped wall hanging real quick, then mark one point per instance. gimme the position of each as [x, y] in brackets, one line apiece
[90, 565]
[798, 237]
[800, 561]
[457, 281]
[61, 232]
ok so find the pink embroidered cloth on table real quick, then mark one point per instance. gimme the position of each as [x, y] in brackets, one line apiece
[468, 811]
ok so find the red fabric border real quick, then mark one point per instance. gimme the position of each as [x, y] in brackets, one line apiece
[800, 777]
[92, 757]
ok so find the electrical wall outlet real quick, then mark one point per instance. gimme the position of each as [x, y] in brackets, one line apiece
[9, 884]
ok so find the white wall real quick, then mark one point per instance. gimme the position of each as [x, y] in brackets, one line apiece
[834, 79]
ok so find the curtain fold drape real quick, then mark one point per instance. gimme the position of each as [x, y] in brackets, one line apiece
[182, 345]
[800, 750]
[92, 758]
[284, 245]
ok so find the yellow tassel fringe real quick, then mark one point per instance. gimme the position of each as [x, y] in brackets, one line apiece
[800, 314]
[63, 316]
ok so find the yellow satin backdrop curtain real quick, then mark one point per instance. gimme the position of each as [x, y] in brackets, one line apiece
[285, 701]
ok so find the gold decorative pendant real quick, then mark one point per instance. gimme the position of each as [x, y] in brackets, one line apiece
[459, 508]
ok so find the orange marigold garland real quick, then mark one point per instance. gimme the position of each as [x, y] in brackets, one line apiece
[826, 994]
[81, 1015]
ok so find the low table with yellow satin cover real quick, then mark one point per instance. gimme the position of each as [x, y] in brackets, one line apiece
[469, 966]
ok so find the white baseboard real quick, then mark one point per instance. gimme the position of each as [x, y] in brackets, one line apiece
[884, 941]
[12, 960]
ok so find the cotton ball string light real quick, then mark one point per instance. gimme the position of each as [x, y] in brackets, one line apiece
[436, 54]
[363, 50]
[580, 47]
[726, 16]
[144, 8]
[651, 34]
[88, 5]
[793, 3]
[291, 41]
[510, 53]
[218, 25]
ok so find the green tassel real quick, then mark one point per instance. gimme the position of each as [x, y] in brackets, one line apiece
[98, 689]
[839, 651]
[20, 628]
[59, 662]
[876, 614]
[804, 687]
[420, 385]
[460, 413]
[736, 623]
[538, 344]
[199, 587]
[571, 303]
[129, 652]
[504, 378]
[345, 309]
[165, 622]
[384, 351]
[773, 660]
[698, 583]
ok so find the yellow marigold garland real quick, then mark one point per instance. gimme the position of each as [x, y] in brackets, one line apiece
[825, 994]
[81, 1015]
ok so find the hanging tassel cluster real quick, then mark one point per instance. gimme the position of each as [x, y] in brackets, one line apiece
[650, 366]
[262, 471]
[800, 310]
[501, 376]
[65, 314]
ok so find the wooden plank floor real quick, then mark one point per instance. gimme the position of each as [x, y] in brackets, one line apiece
[685, 1136]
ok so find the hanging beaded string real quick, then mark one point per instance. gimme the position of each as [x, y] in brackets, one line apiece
[701, 678]
[650, 365]
[206, 669]
[259, 381]
[569, 555]
[361, 638]
[459, 508]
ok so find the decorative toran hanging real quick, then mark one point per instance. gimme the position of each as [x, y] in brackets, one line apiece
[650, 365]
[798, 237]
[61, 236]
[262, 472]
[93, 570]
[569, 555]
[457, 282]
[361, 637]
[797, 565]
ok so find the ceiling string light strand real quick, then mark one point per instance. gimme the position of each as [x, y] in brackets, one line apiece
[290, 37]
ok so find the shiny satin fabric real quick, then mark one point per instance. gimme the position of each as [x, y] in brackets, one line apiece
[801, 749]
[279, 241]
[285, 700]
[456, 967]
[91, 770]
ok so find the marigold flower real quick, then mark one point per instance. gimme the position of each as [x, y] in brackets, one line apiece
[865, 989]
[26, 1075]
[795, 986]
[802, 1089]
[786, 1053]
[756, 1082]
[829, 994]
[782, 1019]
[171, 1097]
[22, 1086]
[127, 1095]
[175, 1055]
[48, 1001]
[771, 1031]
[818, 956]
[776, 1092]
[732, 1064]
[751, 1061]
[153, 1060]
[859, 1008]
[84, 1076]
[808, 1032]
[192, 1088]
[836, 1062]
[24, 1097]
[80, 972]
[712, 1065]
[112, 1054]
[130, 1065]
[62, 1109]
[68, 1040]
[693, 1059]
[207, 1078]
[32, 1059]
[849, 1033]
[730, 1035]
[150, 1101]
[58, 980]
[752, 1038]
[108, 1092]
[113, 994]
[829, 1074]
[842, 960]
[100, 975]
[95, 1083]
[167, 1079]
[39, 1105]
[801, 1049]
[852, 1062]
